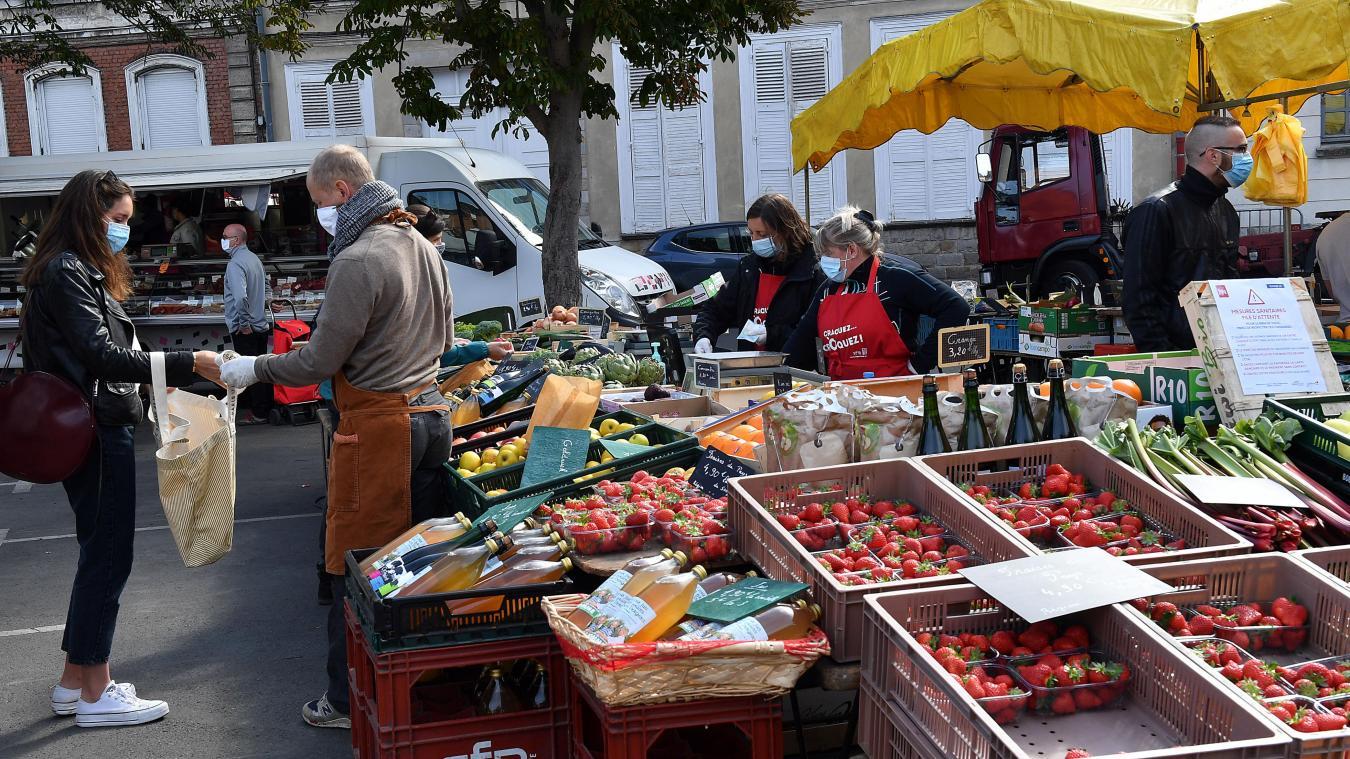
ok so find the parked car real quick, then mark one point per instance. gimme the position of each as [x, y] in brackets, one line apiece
[691, 254]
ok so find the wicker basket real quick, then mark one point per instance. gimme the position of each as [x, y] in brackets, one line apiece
[631, 674]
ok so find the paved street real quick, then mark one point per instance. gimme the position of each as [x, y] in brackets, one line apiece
[235, 648]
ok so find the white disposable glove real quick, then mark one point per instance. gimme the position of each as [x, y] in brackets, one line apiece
[704, 345]
[238, 373]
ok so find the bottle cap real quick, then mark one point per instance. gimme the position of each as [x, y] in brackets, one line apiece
[667, 553]
[566, 563]
[489, 525]
[752, 573]
[491, 545]
[564, 549]
[1056, 364]
[680, 557]
[815, 611]
[506, 542]
[555, 537]
[464, 521]
[530, 524]
[548, 528]
[929, 381]
[700, 572]
[1019, 368]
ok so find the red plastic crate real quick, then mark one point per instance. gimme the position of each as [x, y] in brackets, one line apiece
[1008, 467]
[886, 733]
[1114, 349]
[394, 718]
[749, 727]
[1171, 708]
[754, 502]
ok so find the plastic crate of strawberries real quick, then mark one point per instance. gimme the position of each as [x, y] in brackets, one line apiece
[864, 542]
[1065, 511]
[1280, 625]
[626, 516]
[1309, 697]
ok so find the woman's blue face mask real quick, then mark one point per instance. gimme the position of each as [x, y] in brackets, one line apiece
[763, 247]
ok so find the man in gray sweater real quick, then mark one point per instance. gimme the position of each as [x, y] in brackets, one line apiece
[246, 314]
[386, 321]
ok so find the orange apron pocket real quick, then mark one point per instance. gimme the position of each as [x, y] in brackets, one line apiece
[344, 479]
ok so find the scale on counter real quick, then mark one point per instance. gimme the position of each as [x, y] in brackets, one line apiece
[709, 372]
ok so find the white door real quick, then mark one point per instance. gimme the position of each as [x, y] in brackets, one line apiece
[476, 131]
[170, 117]
[923, 177]
[782, 75]
[666, 159]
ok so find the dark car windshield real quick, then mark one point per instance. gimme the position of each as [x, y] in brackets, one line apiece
[525, 202]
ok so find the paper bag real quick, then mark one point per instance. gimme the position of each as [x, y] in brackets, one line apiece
[469, 373]
[888, 429]
[808, 429]
[565, 402]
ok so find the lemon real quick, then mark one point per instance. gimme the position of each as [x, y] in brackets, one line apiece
[639, 439]
[470, 460]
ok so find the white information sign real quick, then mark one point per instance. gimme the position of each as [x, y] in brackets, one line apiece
[1271, 346]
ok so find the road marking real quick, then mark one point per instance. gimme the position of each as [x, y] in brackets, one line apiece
[3, 533]
[31, 630]
[159, 527]
[20, 487]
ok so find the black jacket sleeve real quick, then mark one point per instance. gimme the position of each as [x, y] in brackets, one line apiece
[1148, 241]
[801, 345]
[918, 294]
[77, 310]
[718, 313]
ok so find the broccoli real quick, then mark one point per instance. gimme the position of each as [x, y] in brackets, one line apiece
[488, 330]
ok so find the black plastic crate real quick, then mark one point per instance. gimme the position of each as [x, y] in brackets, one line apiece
[397, 624]
[1315, 448]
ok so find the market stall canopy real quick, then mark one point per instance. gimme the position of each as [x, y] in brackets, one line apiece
[1098, 64]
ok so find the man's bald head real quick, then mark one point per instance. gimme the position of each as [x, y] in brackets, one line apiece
[1209, 145]
[236, 233]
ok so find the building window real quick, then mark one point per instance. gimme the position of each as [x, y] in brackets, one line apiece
[319, 109]
[1335, 109]
[65, 112]
[528, 147]
[166, 98]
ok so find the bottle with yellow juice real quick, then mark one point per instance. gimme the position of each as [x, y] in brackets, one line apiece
[533, 572]
[634, 578]
[458, 569]
[661, 605]
[424, 533]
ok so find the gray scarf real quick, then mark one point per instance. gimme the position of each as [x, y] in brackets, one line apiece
[373, 200]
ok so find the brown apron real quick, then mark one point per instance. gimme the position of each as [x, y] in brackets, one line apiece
[370, 471]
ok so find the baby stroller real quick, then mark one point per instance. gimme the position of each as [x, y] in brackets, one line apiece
[296, 405]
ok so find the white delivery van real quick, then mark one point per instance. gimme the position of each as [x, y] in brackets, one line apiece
[493, 208]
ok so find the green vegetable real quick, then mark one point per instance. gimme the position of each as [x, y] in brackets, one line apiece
[487, 330]
[464, 330]
[619, 367]
[589, 371]
[585, 354]
[542, 354]
[649, 372]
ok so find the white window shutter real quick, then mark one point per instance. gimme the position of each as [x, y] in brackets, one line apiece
[773, 157]
[347, 115]
[949, 171]
[315, 109]
[644, 134]
[476, 132]
[168, 108]
[1118, 158]
[682, 139]
[907, 160]
[70, 116]
[809, 79]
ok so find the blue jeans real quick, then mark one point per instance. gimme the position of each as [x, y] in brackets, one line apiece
[102, 494]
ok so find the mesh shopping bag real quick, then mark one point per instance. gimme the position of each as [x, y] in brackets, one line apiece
[195, 459]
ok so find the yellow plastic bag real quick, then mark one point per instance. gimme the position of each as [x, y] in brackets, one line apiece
[1279, 163]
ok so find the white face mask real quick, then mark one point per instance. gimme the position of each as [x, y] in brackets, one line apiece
[328, 217]
[225, 244]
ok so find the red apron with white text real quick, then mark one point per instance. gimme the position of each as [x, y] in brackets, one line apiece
[856, 335]
[768, 287]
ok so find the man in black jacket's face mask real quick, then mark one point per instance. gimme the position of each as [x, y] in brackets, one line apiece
[1185, 232]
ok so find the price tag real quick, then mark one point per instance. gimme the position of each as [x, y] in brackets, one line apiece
[531, 343]
[555, 452]
[593, 319]
[740, 600]
[531, 307]
[963, 346]
[1064, 582]
[512, 364]
[782, 383]
[707, 374]
[713, 470]
[508, 515]
[622, 449]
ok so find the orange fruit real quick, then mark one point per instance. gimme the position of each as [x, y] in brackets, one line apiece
[758, 437]
[756, 421]
[1336, 332]
[1043, 390]
[1129, 388]
[745, 450]
[743, 431]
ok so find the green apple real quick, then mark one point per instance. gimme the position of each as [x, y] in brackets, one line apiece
[1341, 425]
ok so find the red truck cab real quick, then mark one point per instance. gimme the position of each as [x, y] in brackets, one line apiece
[1042, 218]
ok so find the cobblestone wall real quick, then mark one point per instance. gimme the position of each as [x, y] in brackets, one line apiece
[947, 250]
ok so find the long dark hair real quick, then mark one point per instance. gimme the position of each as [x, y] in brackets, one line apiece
[781, 217]
[77, 224]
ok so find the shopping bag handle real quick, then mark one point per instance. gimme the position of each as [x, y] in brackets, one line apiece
[159, 399]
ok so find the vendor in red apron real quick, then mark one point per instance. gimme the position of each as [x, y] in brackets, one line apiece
[877, 312]
[386, 321]
[771, 288]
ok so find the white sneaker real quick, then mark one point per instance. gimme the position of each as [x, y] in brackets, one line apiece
[64, 700]
[118, 706]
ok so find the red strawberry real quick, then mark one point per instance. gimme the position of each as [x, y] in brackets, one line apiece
[813, 512]
[1329, 721]
[1209, 611]
[1028, 491]
[1003, 641]
[1289, 612]
[1086, 699]
[789, 521]
[839, 511]
[1035, 674]
[1063, 704]
[1055, 469]
[1077, 753]
[1201, 625]
[973, 686]
[1304, 722]
[858, 516]
[1245, 615]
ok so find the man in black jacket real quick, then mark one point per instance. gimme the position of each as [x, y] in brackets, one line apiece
[1183, 233]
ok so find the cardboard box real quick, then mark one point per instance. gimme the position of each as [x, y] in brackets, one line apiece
[1054, 347]
[1177, 379]
[701, 292]
[1061, 322]
[674, 408]
[1147, 412]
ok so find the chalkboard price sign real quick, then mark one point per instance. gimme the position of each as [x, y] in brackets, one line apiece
[782, 383]
[742, 599]
[591, 317]
[507, 515]
[707, 374]
[963, 346]
[531, 307]
[531, 343]
[714, 469]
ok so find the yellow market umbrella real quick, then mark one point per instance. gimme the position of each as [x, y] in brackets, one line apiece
[1098, 64]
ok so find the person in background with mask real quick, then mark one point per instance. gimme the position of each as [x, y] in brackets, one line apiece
[187, 236]
[386, 319]
[866, 315]
[432, 227]
[1186, 232]
[246, 314]
[771, 288]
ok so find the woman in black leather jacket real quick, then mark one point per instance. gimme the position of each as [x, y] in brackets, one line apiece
[74, 327]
